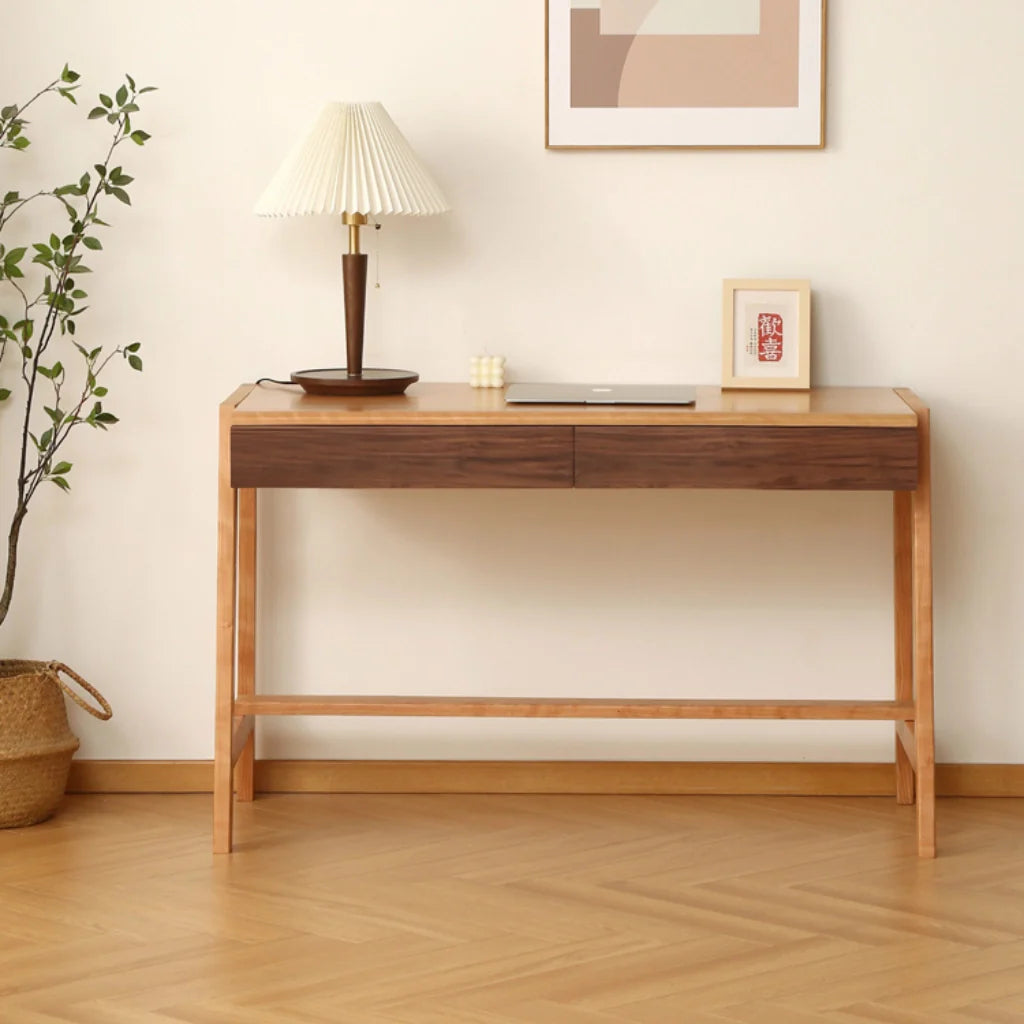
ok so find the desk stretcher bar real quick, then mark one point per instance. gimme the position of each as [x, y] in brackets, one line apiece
[560, 707]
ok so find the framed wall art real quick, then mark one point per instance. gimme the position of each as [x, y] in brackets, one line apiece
[766, 338]
[625, 74]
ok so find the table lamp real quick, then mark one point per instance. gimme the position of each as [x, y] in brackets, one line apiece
[356, 163]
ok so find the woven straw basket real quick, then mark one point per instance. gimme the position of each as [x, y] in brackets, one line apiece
[36, 743]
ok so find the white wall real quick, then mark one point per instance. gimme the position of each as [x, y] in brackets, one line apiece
[908, 225]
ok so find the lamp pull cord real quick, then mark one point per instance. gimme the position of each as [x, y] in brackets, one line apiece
[376, 258]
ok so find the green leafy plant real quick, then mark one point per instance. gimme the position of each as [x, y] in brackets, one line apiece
[42, 299]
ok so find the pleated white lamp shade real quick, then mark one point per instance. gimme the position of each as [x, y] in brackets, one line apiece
[354, 160]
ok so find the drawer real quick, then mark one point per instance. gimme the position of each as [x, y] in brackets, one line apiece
[793, 458]
[270, 455]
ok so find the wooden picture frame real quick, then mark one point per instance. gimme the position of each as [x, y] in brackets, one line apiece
[707, 74]
[766, 336]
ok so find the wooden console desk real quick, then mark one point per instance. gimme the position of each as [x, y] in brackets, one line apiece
[450, 435]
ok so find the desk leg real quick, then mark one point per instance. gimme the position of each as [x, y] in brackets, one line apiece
[227, 541]
[924, 726]
[903, 593]
[246, 631]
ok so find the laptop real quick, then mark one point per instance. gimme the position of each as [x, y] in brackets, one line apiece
[602, 394]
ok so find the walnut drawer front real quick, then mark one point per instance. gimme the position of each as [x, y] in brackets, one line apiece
[793, 458]
[271, 455]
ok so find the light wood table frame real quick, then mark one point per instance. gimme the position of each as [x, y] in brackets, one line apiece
[450, 435]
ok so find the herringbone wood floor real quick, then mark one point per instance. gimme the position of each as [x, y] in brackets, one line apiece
[498, 909]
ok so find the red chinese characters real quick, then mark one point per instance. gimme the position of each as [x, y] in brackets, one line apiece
[769, 337]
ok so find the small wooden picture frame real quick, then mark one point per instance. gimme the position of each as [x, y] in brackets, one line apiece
[766, 340]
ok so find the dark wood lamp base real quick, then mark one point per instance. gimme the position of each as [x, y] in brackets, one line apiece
[369, 382]
[353, 380]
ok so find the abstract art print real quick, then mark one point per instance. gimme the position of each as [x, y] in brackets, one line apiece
[625, 74]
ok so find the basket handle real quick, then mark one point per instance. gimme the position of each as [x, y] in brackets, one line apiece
[56, 667]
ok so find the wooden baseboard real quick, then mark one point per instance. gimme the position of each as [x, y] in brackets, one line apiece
[652, 777]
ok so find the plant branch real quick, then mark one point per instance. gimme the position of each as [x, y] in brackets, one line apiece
[36, 333]
[5, 123]
[12, 559]
[53, 311]
[70, 420]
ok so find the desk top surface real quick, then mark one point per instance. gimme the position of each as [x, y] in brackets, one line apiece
[429, 403]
